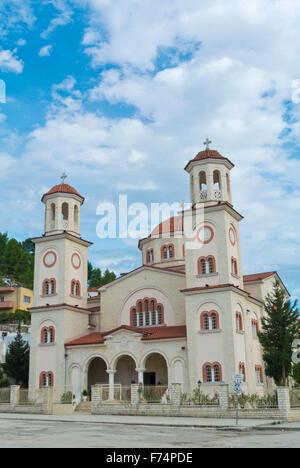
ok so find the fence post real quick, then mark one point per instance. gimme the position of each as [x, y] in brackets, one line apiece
[96, 396]
[14, 396]
[224, 397]
[175, 394]
[135, 395]
[284, 404]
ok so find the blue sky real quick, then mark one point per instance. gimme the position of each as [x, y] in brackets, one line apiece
[121, 94]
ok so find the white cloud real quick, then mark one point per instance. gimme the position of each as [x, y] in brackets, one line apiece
[9, 62]
[64, 17]
[21, 42]
[45, 51]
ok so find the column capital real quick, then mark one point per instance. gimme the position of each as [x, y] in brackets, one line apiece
[111, 371]
[141, 369]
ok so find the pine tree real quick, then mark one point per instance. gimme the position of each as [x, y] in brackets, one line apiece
[279, 330]
[17, 361]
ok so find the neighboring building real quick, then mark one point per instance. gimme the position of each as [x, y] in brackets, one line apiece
[186, 315]
[15, 297]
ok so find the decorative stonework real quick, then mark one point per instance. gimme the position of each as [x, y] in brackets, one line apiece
[50, 259]
[76, 261]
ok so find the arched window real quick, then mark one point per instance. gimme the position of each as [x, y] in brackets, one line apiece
[259, 375]
[65, 211]
[234, 266]
[202, 181]
[211, 265]
[208, 374]
[206, 322]
[76, 217]
[46, 379]
[212, 373]
[134, 318]
[49, 287]
[255, 328]
[150, 256]
[147, 312]
[53, 212]
[217, 180]
[75, 288]
[210, 320]
[206, 265]
[48, 335]
[203, 267]
[242, 370]
[239, 321]
[167, 251]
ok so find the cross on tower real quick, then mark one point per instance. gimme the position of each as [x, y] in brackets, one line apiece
[63, 178]
[207, 142]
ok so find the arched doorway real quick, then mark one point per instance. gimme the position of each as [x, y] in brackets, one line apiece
[97, 372]
[156, 370]
[126, 373]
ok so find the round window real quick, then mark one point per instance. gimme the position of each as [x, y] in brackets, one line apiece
[205, 234]
[50, 259]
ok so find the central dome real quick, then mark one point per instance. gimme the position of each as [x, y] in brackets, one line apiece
[171, 225]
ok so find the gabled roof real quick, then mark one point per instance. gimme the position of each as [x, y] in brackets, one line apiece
[258, 276]
[148, 334]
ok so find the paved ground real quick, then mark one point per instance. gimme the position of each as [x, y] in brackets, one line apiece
[42, 432]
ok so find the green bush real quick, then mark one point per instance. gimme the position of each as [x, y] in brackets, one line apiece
[67, 398]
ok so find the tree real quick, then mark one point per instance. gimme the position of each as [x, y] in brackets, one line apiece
[17, 361]
[296, 373]
[96, 279]
[279, 330]
[17, 260]
[4, 383]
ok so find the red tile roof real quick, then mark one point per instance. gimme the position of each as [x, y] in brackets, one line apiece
[63, 188]
[209, 154]
[174, 224]
[151, 333]
[258, 276]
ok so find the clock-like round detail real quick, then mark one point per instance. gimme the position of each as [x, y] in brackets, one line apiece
[49, 259]
[232, 236]
[205, 235]
[76, 261]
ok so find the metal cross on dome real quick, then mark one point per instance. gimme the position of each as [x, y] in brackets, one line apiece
[207, 142]
[63, 178]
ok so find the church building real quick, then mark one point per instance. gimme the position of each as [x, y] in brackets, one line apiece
[186, 315]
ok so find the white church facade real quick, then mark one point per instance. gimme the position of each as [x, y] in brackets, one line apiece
[187, 315]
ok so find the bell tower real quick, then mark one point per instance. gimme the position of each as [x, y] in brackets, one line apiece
[62, 209]
[209, 177]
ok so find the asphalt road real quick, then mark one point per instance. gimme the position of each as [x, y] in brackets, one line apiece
[55, 434]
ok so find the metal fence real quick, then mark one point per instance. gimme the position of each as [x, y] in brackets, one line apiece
[155, 394]
[254, 401]
[4, 395]
[295, 397]
[199, 398]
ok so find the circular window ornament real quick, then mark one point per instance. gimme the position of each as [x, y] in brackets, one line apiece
[232, 236]
[49, 259]
[76, 261]
[205, 235]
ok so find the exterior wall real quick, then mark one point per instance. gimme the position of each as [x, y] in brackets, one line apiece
[120, 295]
[51, 358]
[13, 298]
[126, 343]
[63, 272]
[157, 243]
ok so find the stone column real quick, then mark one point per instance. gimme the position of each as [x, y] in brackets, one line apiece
[284, 404]
[135, 396]
[111, 374]
[96, 396]
[47, 395]
[140, 375]
[175, 394]
[14, 396]
[223, 397]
